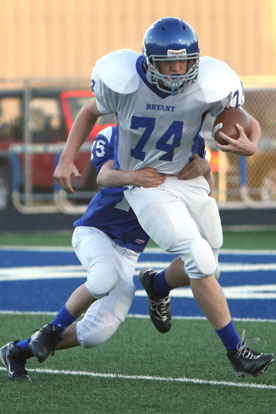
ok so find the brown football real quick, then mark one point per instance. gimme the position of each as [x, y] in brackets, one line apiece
[226, 122]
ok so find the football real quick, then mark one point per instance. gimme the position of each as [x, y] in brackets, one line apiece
[226, 122]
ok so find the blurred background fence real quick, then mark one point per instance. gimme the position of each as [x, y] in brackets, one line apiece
[36, 116]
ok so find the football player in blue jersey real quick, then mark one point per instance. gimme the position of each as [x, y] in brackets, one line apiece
[107, 241]
[161, 98]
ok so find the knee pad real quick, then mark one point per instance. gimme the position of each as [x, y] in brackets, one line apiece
[217, 272]
[201, 261]
[216, 255]
[97, 333]
[99, 284]
[99, 337]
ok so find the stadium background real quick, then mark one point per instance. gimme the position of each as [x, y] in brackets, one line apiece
[54, 43]
[52, 38]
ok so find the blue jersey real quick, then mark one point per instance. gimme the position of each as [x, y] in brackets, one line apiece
[109, 211]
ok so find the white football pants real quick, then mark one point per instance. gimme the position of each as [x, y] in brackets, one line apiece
[181, 218]
[109, 268]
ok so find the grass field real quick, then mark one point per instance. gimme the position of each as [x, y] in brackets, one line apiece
[265, 239]
[140, 371]
[185, 371]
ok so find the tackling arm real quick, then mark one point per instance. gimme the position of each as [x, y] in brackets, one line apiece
[196, 167]
[146, 177]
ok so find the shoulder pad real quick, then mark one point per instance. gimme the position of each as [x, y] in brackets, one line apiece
[216, 79]
[118, 71]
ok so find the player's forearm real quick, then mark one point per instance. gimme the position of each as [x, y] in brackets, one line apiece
[108, 177]
[79, 132]
[255, 132]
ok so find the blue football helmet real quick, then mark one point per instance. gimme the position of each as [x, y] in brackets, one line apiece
[170, 38]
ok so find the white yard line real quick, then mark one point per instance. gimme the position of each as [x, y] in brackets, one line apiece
[152, 378]
[230, 292]
[264, 291]
[77, 271]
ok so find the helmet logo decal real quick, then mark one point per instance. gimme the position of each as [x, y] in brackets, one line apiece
[182, 52]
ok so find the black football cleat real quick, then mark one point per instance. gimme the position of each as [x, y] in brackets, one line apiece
[248, 362]
[14, 359]
[44, 341]
[159, 308]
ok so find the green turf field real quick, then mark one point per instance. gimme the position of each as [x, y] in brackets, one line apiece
[185, 371]
[232, 239]
[140, 371]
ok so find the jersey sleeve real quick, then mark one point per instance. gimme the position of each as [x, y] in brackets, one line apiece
[106, 99]
[234, 99]
[199, 146]
[103, 147]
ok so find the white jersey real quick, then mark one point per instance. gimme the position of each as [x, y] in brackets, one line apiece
[157, 129]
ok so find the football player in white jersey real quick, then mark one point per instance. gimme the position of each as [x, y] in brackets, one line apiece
[161, 98]
[107, 241]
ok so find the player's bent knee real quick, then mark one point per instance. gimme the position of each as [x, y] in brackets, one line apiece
[99, 336]
[99, 287]
[201, 262]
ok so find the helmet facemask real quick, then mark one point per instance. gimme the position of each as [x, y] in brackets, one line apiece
[171, 83]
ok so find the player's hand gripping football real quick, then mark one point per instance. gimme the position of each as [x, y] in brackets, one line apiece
[241, 145]
[63, 174]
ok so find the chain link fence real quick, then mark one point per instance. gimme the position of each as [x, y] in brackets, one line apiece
[36, 116]
[249, 181]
